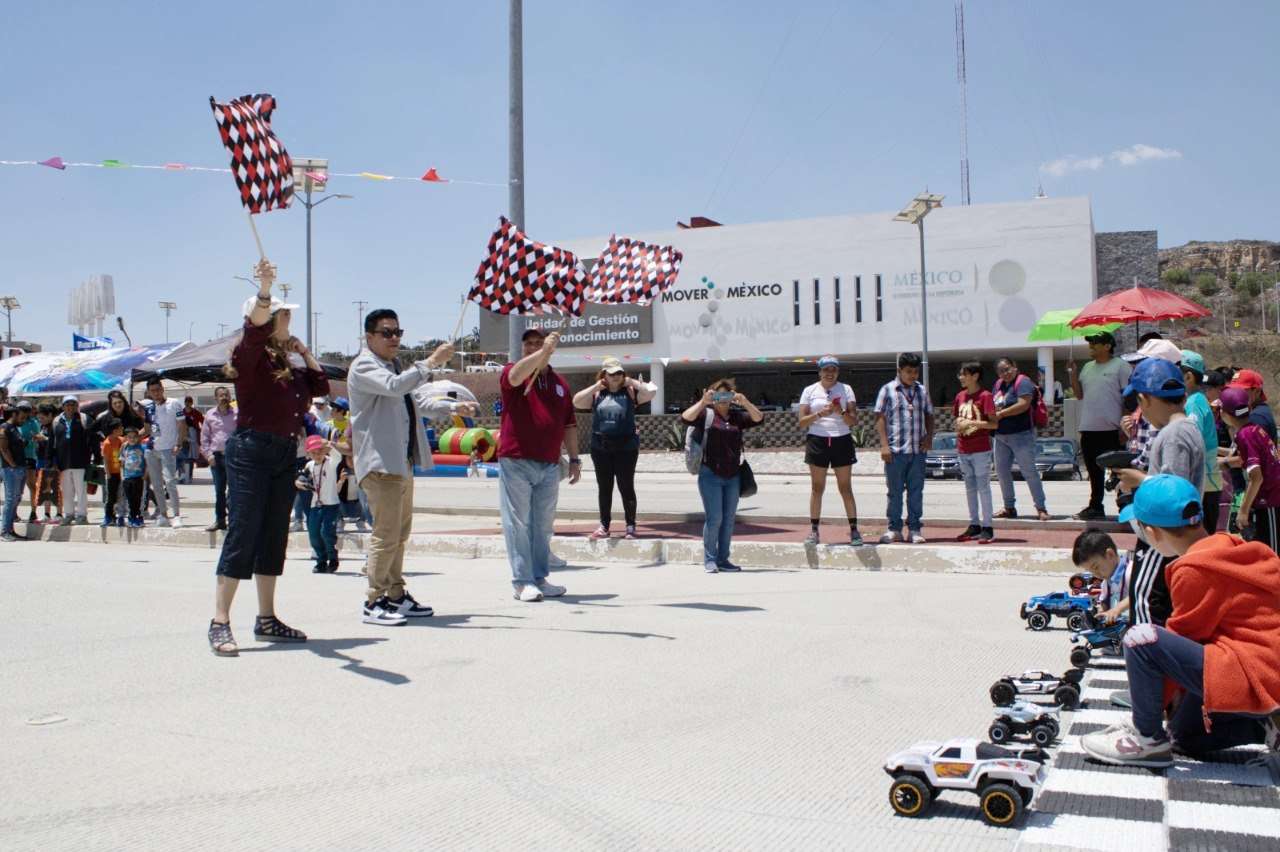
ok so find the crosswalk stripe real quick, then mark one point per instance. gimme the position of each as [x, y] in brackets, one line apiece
[1095, 833]
[1264, 822]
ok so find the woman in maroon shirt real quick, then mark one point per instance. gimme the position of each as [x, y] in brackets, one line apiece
[260, 459]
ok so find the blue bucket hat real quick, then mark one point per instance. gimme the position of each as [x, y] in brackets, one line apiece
[828, 361]
[1157, 377]
[1164, 500]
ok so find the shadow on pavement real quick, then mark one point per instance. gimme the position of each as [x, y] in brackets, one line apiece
[463, 622]
[714, 607]
[331, 649]
[583, 599]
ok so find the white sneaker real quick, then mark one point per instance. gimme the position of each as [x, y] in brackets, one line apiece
[891, 536]
[361, 526]
[528, 593]
[916, 538]
[1122, 745]
[296, 526]
[410, 608]
[177, 522]
[382, 612]
[711, 567]
[550, 590]
[162, 521]
[554, 561]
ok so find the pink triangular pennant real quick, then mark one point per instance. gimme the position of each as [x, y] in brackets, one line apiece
[433, 177]
[54, 163]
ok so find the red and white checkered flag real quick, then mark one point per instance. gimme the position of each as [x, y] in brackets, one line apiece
[520, 276]
[261, 166]
[630, 271]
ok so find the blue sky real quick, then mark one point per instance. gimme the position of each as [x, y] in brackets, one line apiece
[636, 115]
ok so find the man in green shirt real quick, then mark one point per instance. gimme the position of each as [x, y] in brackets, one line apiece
[1198, 409]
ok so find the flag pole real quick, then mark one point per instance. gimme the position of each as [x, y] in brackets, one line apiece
[257, 239]
[457, 329]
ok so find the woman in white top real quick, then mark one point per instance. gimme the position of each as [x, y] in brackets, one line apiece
[827, 410]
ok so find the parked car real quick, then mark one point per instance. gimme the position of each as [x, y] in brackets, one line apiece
[1056, 458]
[486, 367]
[941, 462]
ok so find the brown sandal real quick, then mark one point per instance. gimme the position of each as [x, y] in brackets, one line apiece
[221, 642]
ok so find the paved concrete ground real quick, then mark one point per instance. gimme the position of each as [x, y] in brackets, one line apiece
[654, 707]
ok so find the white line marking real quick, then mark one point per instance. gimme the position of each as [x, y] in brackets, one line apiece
[1086, 783]
[1234, 818]
[1105, 835]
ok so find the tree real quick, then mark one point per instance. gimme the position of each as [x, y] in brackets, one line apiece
[1251, 284]
[1176, 275]
[1207, 284]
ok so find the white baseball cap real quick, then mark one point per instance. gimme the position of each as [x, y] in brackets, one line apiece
[1165, 350]
[276, 305]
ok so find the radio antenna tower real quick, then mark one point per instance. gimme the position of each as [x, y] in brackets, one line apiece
[964, 105]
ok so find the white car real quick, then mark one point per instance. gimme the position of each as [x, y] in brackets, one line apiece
[486, 367]
[1005, 780]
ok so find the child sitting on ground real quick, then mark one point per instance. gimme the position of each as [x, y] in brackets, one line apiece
[133, 471]
[1096, 552]
[1221, 648]
[322, 478]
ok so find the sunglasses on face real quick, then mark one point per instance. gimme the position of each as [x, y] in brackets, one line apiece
[390, 333]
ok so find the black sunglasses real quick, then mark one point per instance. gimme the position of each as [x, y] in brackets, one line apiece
[390, 333]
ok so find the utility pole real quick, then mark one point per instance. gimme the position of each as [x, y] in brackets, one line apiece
[315, 330]
[515, 149]
[359, 303]
[962, 79]
[10, 304]
[222, 330]
[284, 291]
[168, 308]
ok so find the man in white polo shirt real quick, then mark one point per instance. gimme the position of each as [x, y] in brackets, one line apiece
[167, 430]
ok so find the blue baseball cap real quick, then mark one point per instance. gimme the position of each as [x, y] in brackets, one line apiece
[341, 403]
[1164, 500]
[1193, 361]
[1157, 377]
[828, 361]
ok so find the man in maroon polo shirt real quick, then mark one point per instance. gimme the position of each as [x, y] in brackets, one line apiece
[534, 428]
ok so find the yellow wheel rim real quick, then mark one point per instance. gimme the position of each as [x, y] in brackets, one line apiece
[1002, 802]
[906, 799]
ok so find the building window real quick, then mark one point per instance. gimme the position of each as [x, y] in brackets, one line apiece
[837, 300]
[795, 301]
[857, 298]
[879, 301]
[817, 302]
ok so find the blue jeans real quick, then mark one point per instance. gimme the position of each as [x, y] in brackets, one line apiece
[301, 499]
[905, 470]
[976, 470]
[218, 467]
[720, 507]
[322, 528]
[1182, 661]
[527, 495]
[15, 479]
[1022, 447]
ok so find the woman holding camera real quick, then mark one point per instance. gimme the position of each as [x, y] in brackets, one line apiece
[615, 444]
[719, 419]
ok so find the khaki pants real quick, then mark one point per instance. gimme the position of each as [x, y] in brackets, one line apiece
[391, 502]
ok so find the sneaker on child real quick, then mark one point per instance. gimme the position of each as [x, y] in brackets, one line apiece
[1122, 745]
[528, 593]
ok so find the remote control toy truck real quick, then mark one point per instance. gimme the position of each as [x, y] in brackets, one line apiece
[1004, 779]
[1023, 718]
[1037, 611]
[1105, 638]
[1065, 689]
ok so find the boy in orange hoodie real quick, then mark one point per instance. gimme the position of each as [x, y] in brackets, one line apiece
[1220, 647]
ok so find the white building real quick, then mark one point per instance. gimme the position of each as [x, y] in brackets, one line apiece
[779, 293]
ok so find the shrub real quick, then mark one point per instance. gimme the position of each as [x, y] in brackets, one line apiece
[1176, 275]
[1207, 284]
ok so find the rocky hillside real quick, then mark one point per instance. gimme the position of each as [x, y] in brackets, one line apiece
[1222, 258]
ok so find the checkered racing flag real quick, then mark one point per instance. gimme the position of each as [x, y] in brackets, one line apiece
[630, 271]
[261, 166]
[520, 276]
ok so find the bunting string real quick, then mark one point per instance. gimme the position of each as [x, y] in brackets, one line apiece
[57, 163]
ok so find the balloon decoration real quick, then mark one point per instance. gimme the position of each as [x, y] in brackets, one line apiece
[464, 442]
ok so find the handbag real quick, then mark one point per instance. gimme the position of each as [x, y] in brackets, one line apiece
[746, 480]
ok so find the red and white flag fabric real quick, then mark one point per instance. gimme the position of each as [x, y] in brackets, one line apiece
[259, 162]
[520, 276]
[632, 272]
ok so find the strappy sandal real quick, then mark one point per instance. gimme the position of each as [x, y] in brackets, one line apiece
[268, 628]
[221, 642]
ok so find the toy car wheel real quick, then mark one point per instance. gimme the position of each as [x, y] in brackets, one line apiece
[1077, 621]
[909, 796]
[1043, 735]
[1067, 696]
[1052, 725]
[1002, 804]
[1080, 657]
[1072, 676]
[1037, 619]
[1002, 693]
[1028, 793]
[999, 732]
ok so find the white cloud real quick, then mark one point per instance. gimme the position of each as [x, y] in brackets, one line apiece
[1130, 156]
[1137, 153]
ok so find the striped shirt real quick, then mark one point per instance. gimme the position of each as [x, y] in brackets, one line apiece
[904, 409]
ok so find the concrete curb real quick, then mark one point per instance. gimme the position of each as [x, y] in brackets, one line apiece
[929, 558]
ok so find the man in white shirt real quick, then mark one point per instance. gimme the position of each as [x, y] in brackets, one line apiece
[166, 431]
[1099, 384]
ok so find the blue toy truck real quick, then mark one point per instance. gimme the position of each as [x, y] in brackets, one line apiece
[1076, 609]
[1099, 636]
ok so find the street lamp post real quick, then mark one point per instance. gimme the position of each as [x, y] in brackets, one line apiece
[168, 308]
[914, 214]
[316, 324]
[311, 175]
[10, 304]
[515, 148]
